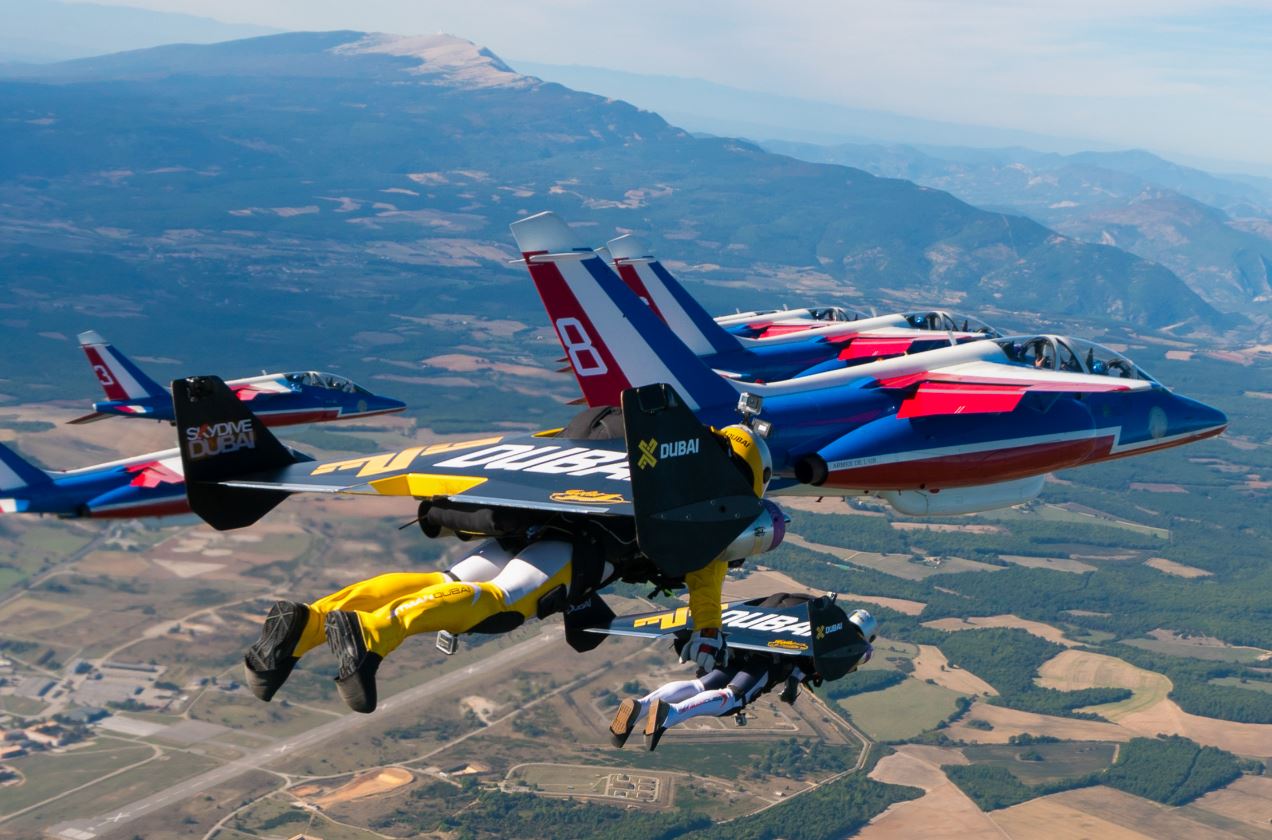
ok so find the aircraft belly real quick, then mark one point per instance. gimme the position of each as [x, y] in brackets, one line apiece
[977, 465]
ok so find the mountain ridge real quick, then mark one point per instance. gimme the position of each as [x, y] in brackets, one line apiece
[339, 187]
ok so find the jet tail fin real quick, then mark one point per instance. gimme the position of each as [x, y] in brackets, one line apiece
[613, 341]
[650, 281]
[690, 501]
[221, 439]
[118, 376]
[17, 472]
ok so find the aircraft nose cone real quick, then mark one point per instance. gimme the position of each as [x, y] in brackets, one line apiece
[1191, 417]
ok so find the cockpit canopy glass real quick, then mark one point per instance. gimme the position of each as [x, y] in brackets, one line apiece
[1075, 355]
[938, 319]
[328, 381]
[835, 313]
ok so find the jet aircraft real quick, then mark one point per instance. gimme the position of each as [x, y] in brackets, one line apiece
[279, 399]
[145, 485]
[784, 348]
[953, 430]
[750, 324]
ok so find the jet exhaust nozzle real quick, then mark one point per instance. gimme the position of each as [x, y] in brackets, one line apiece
[812, 469]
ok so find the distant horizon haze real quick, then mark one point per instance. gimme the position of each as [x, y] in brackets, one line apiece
[1182, 78]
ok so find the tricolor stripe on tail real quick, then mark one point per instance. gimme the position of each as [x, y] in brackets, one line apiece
[653, 283]
[612, 339]
[118, 376]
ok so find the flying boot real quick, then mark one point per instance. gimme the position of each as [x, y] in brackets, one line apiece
[269, 662]
[624, 722]
[356, 682]
[656, 723]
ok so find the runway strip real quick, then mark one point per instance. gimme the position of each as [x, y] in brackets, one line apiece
[86, 829]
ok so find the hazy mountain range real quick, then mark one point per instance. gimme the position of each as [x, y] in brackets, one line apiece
[1213, 231]
[354, 182]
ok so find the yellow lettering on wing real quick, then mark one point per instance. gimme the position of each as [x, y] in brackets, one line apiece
[665, 621]
[394, 461]
[424, 486]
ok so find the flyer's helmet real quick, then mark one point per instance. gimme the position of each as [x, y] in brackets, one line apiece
[751, 450]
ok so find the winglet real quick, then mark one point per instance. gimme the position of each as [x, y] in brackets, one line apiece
[690, 501]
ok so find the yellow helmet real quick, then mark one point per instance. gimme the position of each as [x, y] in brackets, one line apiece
[751, 450]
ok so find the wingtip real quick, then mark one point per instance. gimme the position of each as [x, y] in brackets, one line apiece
[90, 337]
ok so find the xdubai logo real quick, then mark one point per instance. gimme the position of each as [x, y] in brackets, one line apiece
[219, 438]
[677, 448]
[824, 630]
[588, 497]
[647, 456]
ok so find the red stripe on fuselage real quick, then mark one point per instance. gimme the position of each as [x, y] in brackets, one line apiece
[172, 507]
[970, 469]
[292, 418]
[1170, 444]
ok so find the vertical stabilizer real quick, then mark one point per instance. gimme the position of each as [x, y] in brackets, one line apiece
[650, 280]
[17, 472]
[118, 376]
[612, 340]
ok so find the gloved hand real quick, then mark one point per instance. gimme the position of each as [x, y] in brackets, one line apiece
[706, 648]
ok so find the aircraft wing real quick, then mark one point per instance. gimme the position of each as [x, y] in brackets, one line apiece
[984, 387]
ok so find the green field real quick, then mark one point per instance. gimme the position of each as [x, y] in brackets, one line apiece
[21, 705]
[1059, 761]
[902, 711]
[724, 760]
[1054, 513]
[48, 774]
[1250, 685]
[1179, 648]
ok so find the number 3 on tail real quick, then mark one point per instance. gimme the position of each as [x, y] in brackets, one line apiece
[583, 355]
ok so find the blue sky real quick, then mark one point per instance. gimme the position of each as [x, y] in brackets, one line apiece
[1180, 77]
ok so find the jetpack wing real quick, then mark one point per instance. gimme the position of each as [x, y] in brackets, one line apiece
[237, 471]
[818, 629]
